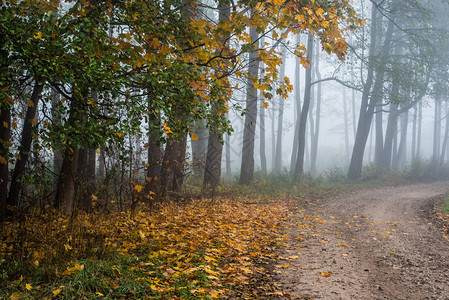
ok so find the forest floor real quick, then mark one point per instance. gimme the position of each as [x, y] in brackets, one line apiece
[374, 243]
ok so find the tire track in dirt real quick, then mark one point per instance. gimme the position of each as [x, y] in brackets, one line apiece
[378, 243]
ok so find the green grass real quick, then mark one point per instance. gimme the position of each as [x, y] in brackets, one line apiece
[445, 206]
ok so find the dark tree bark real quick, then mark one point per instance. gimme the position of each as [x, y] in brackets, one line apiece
[154, 153]
[299, 168]
[172, 171]
[247, 167]
[5, 136]
[212, 172]
[25, 145]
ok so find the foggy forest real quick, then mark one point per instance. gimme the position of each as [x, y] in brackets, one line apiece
[231, 149]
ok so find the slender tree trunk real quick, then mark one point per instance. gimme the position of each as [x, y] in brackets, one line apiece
[299, 168]
[228, 156]
[25, 144]
[379, 145]
[346, 122]
[262, 150]
[415, 117]
[315, 138]
[436, 130]
[297, 112]
[278, 157]
[273, 136]
[247, 167]
[445, 137]
[401, 156]
[389, 136]
[418, 139]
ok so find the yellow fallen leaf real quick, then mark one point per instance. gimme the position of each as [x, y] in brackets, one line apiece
[342, 244]
[99, 294]
[56, 292]
[326, 274]
[28, 286]
[15, 296]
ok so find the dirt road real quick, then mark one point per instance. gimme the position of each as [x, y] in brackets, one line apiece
[379, 243]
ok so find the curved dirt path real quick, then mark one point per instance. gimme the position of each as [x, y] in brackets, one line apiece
[379, 243]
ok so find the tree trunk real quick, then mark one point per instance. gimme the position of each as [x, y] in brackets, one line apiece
[299, 168]
[436, 130]
[262, 149]
[172, 170]
[415, 117]
[25, 144]
[418, 139]
[389, 136]
[297, 112]
[199, 147]
[278, 156]
[345, 116]
[247, 167]
[154, 152]
[315, 137]
[445, 137]
[5, 136]
[228, 156]
[401, 156]
[212, 171]
[368, 103]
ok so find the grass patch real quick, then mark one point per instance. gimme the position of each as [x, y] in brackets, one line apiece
[445, 206]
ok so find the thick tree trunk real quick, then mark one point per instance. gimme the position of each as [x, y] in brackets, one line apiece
[212, 172]
[247, 167]
[172, 171]
[154, 153]
[278, 157]
[25, 144]
[5, 136]
[199, 147]
[299, 168]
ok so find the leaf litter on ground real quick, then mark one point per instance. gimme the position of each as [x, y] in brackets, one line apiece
[203, 249]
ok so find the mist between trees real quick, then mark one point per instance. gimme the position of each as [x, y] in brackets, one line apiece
[109, 103]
